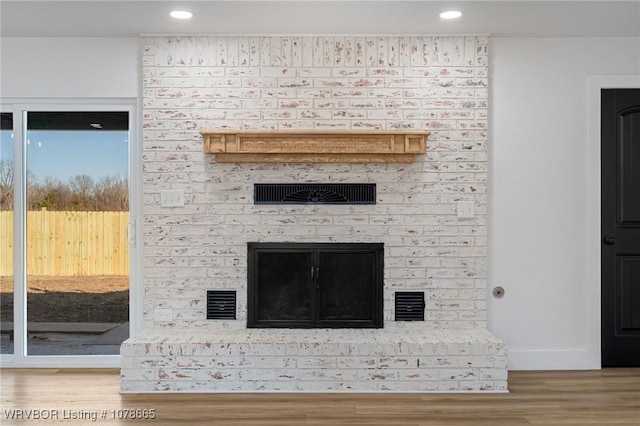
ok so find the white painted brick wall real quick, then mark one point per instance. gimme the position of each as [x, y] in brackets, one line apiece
[437, 84]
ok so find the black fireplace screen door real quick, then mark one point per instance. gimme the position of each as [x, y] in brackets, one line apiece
[315, 285]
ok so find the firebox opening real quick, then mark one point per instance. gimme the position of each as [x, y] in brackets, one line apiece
[315, 285]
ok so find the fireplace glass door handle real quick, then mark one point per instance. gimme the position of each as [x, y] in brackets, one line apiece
[315, 274]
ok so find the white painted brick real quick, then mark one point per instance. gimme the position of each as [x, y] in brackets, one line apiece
[348, 82]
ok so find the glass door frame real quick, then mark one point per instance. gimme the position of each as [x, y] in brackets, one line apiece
[19, 108]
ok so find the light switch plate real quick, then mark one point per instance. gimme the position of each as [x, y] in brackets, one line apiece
[163, 314]
[172, 198]
[466, 209]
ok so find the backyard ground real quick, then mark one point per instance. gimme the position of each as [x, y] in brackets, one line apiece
[70, 299]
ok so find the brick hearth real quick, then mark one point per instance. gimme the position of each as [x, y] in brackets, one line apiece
[315, 361]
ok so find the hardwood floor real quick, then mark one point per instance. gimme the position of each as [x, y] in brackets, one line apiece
[607, 397]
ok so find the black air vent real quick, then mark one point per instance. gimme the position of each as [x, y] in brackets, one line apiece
[315, 193]
[410, 306]
[221, 305]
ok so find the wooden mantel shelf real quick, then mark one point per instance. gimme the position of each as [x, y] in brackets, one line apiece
[310, 146]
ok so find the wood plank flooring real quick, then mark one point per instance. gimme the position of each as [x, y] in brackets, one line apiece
[606, 397]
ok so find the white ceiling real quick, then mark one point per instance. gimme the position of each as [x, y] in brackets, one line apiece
[116, 18]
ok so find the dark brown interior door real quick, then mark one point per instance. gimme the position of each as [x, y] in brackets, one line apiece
[620, 227]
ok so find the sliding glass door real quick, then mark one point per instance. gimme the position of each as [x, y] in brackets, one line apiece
[71, 216]
[6, 231]
[77, 215]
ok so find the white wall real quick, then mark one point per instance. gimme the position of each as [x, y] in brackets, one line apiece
[69, 67]
[538, 195]
[538, 191]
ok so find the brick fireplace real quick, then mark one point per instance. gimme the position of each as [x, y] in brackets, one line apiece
[437, 84]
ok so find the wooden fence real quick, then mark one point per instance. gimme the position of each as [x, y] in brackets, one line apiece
[69, 243]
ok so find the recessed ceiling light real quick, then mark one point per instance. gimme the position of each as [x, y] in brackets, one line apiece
[96, 125]
[181, 14]
[451, 14]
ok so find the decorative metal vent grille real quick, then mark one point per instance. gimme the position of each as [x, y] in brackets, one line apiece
[221, 305]
[315, 193]
[410, 306]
